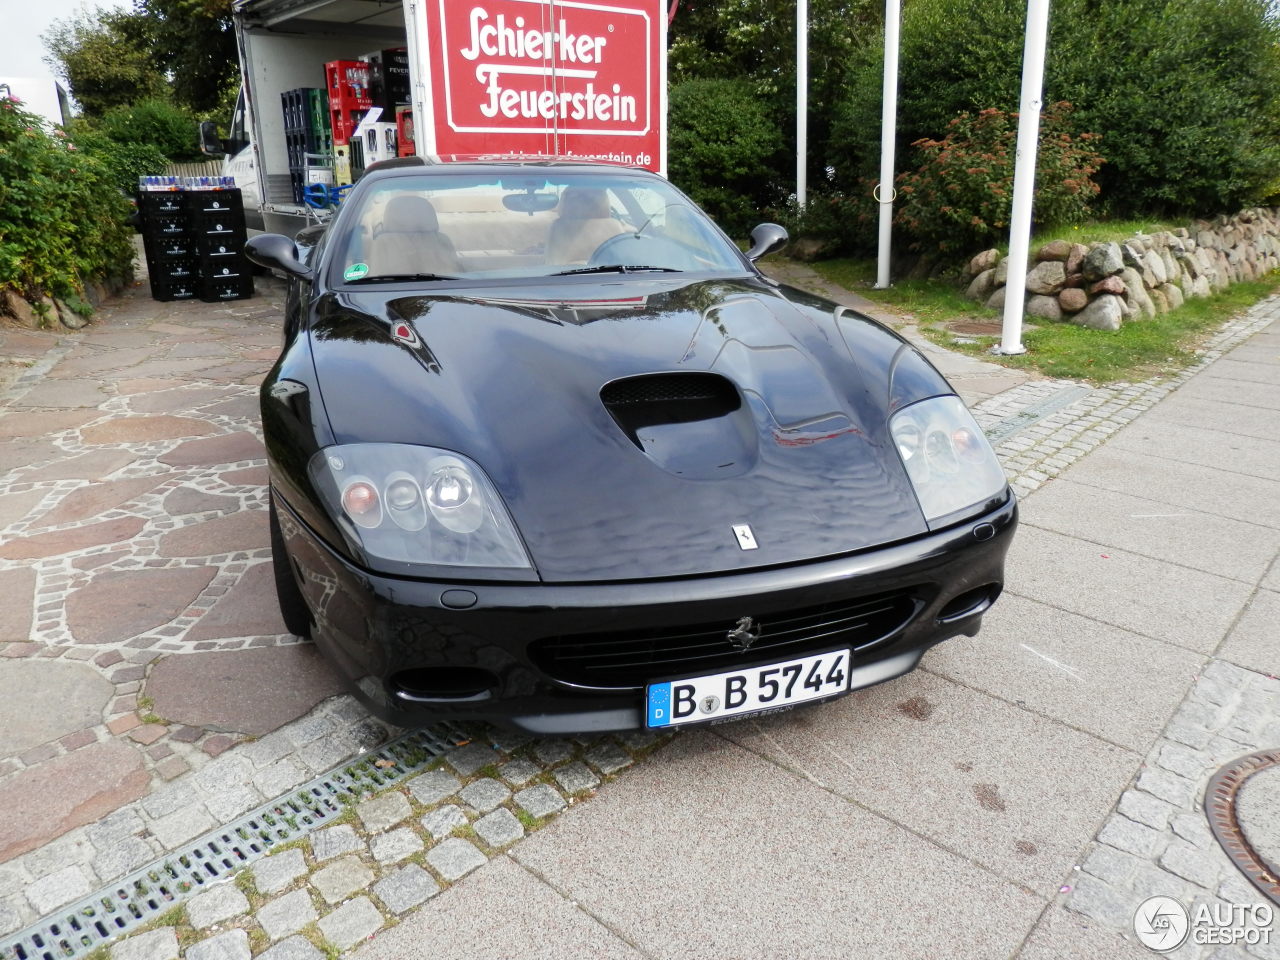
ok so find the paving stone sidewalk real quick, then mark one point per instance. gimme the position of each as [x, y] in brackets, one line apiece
[342, 882]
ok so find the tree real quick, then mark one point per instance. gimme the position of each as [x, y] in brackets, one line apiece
[105, 58]
[184, 50]
[1183, 92]
[754, 41]
[194, 43]
[1186, 94]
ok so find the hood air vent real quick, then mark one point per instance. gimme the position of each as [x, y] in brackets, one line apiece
[662, 398]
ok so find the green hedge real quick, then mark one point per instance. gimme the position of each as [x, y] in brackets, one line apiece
[1184, 93]
[172, 130]
[722, 145]
[125, 162]
[62, 218]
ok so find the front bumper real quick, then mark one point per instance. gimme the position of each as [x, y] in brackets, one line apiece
[414, 651]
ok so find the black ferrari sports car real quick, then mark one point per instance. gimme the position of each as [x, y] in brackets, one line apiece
[547, 450]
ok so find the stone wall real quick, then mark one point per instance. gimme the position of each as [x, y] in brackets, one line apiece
[1105, 284]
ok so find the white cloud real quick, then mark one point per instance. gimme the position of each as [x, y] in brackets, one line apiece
[21, 51]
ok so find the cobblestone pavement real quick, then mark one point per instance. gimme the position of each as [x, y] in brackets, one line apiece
[1158, 841]
[395, 854]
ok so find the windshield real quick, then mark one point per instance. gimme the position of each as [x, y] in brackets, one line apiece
[517, 223]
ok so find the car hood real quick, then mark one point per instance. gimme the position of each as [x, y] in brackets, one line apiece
[643, 488]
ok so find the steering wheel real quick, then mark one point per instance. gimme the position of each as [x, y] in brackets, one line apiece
[643, 250]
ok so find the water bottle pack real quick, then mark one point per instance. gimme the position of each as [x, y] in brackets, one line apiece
[170, 184]
[159, 184]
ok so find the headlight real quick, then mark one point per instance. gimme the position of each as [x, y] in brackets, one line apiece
[417, 505]
[947, 456]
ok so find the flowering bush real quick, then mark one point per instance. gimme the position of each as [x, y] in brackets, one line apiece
[960, 198]
[62, 220]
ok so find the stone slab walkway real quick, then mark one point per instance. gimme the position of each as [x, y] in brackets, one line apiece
[133, 540]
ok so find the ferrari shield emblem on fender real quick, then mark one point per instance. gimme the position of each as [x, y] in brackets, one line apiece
[746, 539]
[744, 634]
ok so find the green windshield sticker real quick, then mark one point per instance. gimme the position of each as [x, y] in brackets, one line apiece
[356, 271]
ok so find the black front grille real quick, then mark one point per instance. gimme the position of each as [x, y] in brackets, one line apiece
[636, 657]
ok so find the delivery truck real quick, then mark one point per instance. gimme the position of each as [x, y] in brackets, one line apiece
[442, 79]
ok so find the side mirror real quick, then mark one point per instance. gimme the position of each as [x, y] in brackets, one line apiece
[765, 239]
[276, 252]
[210, 145]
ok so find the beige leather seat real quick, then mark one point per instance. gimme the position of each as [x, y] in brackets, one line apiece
[584, 223]
[410, 241]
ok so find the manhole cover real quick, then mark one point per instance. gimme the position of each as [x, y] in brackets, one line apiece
[977, 328]
[1242, 803]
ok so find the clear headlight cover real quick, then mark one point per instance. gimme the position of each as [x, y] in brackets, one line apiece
[947, 456]
[414, 504]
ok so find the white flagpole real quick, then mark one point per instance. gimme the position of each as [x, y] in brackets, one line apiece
[1024, 174]
[888, 131]
[802, 101]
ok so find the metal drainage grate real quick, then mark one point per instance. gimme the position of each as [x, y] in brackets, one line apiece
[1220, 807]
[1002, 430]
[147, 894]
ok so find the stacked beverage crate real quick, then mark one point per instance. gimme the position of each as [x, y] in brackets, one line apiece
[218, 230]
[389, 85]
[347, 85]
[170, 248]
[306, 130]
[193, 234]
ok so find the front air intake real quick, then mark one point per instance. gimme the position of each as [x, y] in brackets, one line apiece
[645, 401]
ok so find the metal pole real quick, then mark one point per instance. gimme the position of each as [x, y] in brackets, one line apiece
[885, 193]
[1024, 174]
[802, 101]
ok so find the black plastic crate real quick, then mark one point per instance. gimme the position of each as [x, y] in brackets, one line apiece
[210, 202]
[356, 148]
[162, 204]
[225, 228]
[176, 270]
[297, 143]
[294, 104]
[165, 227]
[175, 290]
[228, 286]
[219, 253]
[169, 248]
[389, 94]
[388, 69]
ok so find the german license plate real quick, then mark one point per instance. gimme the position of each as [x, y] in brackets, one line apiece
[747, 690]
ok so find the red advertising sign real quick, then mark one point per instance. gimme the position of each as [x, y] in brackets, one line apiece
[571, 78]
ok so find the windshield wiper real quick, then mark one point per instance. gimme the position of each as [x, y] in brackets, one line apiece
[616, 268]
[401, 277]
